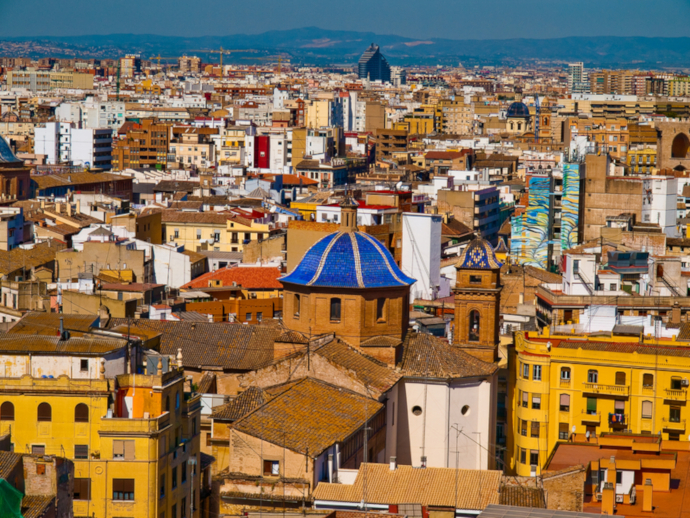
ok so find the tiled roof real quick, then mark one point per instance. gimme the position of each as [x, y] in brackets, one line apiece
[8, 462]
[209, 218]
[308, 416]
[625, 348]
[369, 371]
[249, 277]
[427, 355]
[292, 337]
[246, 402]
[38, 255]
[429, 487]
[222, 345]
[133, 287]
[48, 324]
[522, 496]
[348, 260]
[479, 254]
[206, 383]
[176, 186]
[34, 506]
[91, 346]
[72, 179]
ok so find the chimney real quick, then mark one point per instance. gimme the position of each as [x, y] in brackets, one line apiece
[58, 207]
[647, 490]
[608, 499]
[394, 464]
[179, 357]
[69, 209]
[102, 369]
[330, 468]
[78, 206]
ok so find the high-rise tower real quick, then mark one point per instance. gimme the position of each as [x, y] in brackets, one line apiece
[373, 65]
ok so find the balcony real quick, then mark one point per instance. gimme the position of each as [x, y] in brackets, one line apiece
[594, 417]
[613, 390]
[616, 420]
[676, 394]
[673, 424]
[564, 383]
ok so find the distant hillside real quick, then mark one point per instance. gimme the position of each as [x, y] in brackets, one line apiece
[312, 45]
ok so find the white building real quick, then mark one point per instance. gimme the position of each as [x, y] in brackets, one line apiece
[659, 203]
[63, 142]
[421, 255]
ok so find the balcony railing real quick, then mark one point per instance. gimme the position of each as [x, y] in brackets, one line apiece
[673, 424]
[618, 419]
[598, 388]
[676, 394]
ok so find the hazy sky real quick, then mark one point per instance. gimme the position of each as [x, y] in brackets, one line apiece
[456, 19]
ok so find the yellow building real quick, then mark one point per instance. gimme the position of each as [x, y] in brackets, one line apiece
[318, 113]
[642, 161]
[232, 145]
[130, 437]
[679, 87]
[211, 231]
[456, 117]
[577, 384]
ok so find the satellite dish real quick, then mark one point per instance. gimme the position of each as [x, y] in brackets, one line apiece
[575, 428]
[587, 434]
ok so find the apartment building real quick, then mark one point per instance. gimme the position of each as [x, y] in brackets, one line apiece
[63, 142]
[679, 87]
[43, 81]
[478, 209]
[565, 384]
[130, 65]
[232, 145]
[189, 64]
[103, 114]
[144, 145]
[642, 161]
[612, 82]
[456, 117]
[193, 147]
[135, 450]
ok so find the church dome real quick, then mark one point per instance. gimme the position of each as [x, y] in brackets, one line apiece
[348, 260]
[479, 254]
[518, 109]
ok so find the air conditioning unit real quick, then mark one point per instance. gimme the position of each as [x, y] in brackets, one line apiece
[684, 382]
[598, 497]
[619, 499]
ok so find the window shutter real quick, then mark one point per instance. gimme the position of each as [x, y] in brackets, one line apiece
[620, 405]
[129, 450]
[646, 409]
[525, 397]
[591, 404]
[118, 448]
[565, 399]
[81, 451]
[536, 399]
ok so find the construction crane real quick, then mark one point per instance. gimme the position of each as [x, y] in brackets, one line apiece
[221, 52]
[159, 57]
[280, 58]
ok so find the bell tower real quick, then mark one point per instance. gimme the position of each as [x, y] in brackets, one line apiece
[477, 301]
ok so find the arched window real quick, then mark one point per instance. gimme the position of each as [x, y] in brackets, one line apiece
[592, 376]
[81, 413]
[474, 326]
[167, 403]
[7, 411]
[620, 378]
[648, 380]
[680, 145]
[45, 413]
[296, 306]
[335, 309]
[565, 373]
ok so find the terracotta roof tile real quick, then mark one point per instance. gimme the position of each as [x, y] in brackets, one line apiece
[34, 506]
[8, 462]
[246, 402]
[250, 277]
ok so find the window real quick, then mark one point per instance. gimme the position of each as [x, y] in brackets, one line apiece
[474, 326]
[45, 413]
[123, 489]
[183, 470]
[177, 401]
[648, 380]
[247, 317]
[174, 511]
[613, 287]
[84, 365]
[565, 373]
[177, 233]
[576, 266]
[536, 373]
[536, 402]
[523, 428]
[534, 457]
[7, 411]
[592, 376]
[174, 477]
[259, 316]
[620, 378]
[81, 413]
[162, 486]
[417, 410]
[523, 456]
[335, 309]
[619, 477]
[534, 429]
[563, 431]
[167, 403]
[271, 468]
[565, 403]
[525, 400]
[82, 489]
[674, 414]
[647, 410]
[123, 449]
[676, 383]
[183, 508]
[296, 306]
[380, 308]
[475, 279]
[525, 371]
[591, 406]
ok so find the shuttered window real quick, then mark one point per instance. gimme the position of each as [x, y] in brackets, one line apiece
[81, 413]
[123, 489]
[45, 413]
[565, 402]
[123, 450]
[82, 489]
[7, 411]
[646, 409]
[81, 451]
[591, 405]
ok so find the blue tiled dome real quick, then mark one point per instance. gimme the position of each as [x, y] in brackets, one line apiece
[479, 255]
[518, 110]
[348, 260]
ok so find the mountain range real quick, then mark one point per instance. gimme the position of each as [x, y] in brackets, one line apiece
[312, 45]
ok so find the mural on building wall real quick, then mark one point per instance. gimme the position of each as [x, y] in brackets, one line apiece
[529, 233]
[570, 206]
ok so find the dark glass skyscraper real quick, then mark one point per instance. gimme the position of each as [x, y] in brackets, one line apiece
[373, 65]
